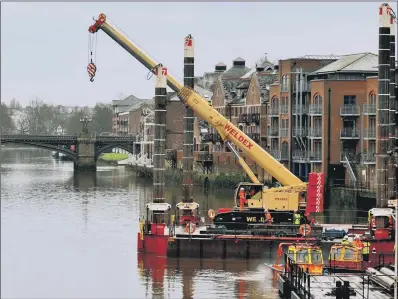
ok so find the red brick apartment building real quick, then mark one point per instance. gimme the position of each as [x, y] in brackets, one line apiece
[312, 113]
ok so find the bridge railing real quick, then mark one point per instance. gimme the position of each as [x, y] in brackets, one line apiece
[116, 138]
[37, 137]
[42, 137]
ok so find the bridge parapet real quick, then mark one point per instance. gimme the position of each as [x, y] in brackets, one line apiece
[37, 138]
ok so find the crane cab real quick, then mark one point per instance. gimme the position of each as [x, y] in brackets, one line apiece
[187, 212]
[252, 192]
[157, 219]
[309, 257]
[345, 258]
[381, 223]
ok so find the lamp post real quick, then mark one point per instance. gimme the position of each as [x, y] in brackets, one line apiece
[85, 121]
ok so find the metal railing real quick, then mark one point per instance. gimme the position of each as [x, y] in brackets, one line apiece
[254, 117]
[369, 133]
[349, 110]
[274, 111]
[284, 132]
[276, 154]
[284, 109]
[369, 158]
[300, 132]
[243, 118]
[272, 132]
[349, 133]
[300, 155]
[301, 109]
[315, 109]
[369, 109]
[315, 132]
[204, 156]
[316, 156]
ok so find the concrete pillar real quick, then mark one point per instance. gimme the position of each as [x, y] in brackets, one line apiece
[86, 155]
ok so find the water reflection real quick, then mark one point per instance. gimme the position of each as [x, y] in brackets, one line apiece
[202, 278]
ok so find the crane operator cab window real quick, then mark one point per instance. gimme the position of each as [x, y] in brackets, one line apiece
[250, 191]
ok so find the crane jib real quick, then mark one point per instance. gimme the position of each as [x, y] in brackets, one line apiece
[238, 136]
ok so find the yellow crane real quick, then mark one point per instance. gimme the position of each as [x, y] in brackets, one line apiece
[290, 197]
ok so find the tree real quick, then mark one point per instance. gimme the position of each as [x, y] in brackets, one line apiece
[14, 104]
[7, 123]
[73, 125]
[102, 118]
[41, 118]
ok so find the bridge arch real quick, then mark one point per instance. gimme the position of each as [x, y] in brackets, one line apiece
[51, 147]
[100, 150]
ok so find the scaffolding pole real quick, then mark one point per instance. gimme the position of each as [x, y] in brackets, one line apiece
[159, 140]
[383, 112]
[187, 157]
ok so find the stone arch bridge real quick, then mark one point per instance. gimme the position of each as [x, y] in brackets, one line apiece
[84, 150]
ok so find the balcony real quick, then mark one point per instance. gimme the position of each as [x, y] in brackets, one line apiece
[351, 156]
[305, 88]
[205, 156]
[315, 110]
[284, 110]
[255, 118]
[208, 137]
[300, 132]
[284, 156]
[273, 133]
[315, 133]
[369, 158]
[301, 109]
[255, 137]
[369, 134]
[273, 111]
[276, 154]
[316, 157]
[124, 123]
[349, 133]
[349, 110]
[300, 156]
[243, 119]
[369, 109]
[284, 132]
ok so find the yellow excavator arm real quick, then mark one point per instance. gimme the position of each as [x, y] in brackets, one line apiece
[227, 130]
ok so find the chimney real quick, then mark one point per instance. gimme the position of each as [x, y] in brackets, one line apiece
[220, 67]
[238, 62]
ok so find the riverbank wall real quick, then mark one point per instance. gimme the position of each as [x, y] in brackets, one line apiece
[210, 180]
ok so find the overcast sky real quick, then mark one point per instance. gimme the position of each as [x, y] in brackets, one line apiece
[44, 46]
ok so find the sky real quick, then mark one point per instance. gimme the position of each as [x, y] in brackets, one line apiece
[44, 46]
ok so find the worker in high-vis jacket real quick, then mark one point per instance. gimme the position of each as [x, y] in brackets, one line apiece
[241, 198]
[345, 241]
[365, 251]
[296, 218]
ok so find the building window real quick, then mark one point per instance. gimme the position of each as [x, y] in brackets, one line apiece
[317, 100]
[350, 100]
[372, 98]
[285, 149]
[285, 83]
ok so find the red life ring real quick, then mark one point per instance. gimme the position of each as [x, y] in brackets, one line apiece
[190, 227]
[305, 230]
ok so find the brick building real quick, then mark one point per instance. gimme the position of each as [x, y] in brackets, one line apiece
[329, 124]
[241, 94]
[120, 106]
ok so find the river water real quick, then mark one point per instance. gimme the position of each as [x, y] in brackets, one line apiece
[75, 236]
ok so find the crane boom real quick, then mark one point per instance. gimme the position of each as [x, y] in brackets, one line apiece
[225, 128]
